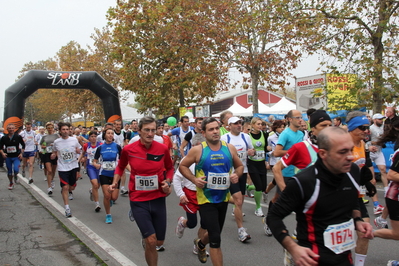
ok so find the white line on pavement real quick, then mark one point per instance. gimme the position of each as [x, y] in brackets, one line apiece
[122, 259]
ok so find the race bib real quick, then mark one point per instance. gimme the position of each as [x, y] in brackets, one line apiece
[259, 155]
[108, 165]
[67, 157]
[90, 156]
[218, 181]
[146, 183]
[11, 149]
[340, 237]
[242, 155]
[362, 191]
[49, 149]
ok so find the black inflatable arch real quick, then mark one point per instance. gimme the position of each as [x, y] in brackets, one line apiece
[16, 94]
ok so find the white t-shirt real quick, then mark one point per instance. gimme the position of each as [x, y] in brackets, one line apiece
[118, 139]
[240, 145]
[38, 138]
[66, 152]
[29, 139]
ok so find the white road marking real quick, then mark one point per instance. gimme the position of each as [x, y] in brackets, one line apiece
[119, 257]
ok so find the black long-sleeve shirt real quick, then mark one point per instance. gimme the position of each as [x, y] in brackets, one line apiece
[11, 144]
[319, 199]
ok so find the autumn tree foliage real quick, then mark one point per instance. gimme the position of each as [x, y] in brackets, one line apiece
[359, 37]
[266, 45]
[172, 52]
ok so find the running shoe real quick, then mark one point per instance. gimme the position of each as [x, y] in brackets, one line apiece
[98, 208]
[23, 173]
[265, 196]
[52, 184]
[378, 209]
[108, 219]
[130, 215]
[30, 180]
[41, 166]
[16, 181]
[195, 251]
[111, 202]
[70, 196]
[124, 191]
[393, 263]
[160, 248]
[201, 252]
[365, 201]
[91, 194]
[266, 228]
[45, 178]
[381, 223]
[243, 236]
[84, 171]
[11, 186]
[49, 191]
[259, 212]
[179, 231]
[68, 213]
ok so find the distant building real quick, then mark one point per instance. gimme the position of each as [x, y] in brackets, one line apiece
[244, 98]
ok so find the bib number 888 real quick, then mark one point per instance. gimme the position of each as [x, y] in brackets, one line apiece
[219, 180]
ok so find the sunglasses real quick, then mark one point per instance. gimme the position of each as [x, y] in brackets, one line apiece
[363, 128]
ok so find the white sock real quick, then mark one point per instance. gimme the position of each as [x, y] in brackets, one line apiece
[66, 207]
[360, 259]
[122, 187]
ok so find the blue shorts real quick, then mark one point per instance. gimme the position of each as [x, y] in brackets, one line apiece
[150, 217]
[28, 154]
[93, 173]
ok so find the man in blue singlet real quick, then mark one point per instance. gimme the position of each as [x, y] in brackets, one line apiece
[214, 161]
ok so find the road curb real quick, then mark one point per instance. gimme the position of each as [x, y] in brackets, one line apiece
[95, 243]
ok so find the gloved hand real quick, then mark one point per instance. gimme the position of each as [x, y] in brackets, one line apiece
[365, 175]
[371, 189]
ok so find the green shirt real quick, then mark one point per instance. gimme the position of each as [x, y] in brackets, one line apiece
[223, 131]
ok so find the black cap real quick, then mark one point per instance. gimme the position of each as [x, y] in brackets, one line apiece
[317, 117]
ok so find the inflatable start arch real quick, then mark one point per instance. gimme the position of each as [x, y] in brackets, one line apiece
[15, 95]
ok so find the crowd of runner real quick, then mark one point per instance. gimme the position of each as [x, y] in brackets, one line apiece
[213, 162]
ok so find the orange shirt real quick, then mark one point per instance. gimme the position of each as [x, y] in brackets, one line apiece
[359, 155]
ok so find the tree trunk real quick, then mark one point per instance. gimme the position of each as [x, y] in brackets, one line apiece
[181, 97]
[383, 17]
[255, 83]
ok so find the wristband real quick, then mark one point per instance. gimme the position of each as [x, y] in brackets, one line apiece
[358, 219]
[167, 182]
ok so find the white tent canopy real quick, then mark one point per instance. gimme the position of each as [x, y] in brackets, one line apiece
[281, 107]
[262, 108]
[237, 110]
[129, 113]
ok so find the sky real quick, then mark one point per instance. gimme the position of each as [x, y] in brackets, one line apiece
[32, 31]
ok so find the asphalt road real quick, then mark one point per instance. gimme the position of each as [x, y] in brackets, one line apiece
[119, 243]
